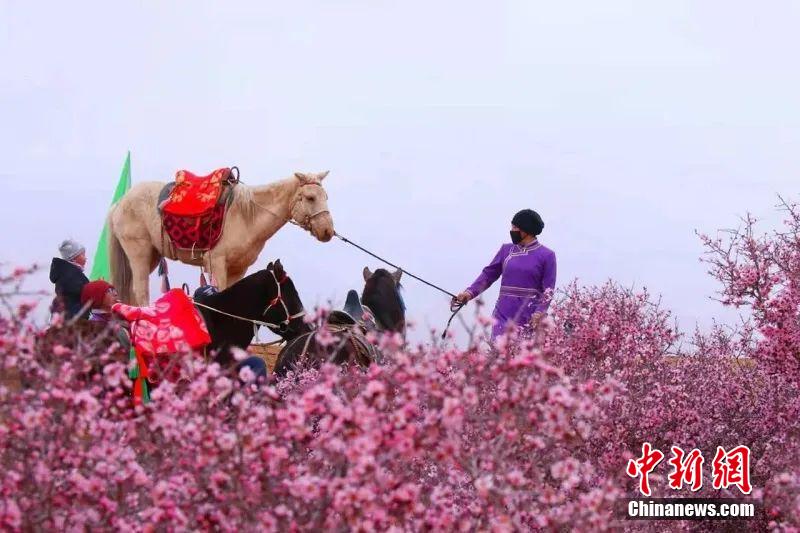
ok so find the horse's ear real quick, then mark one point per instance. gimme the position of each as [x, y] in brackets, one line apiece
[323, 174]
[396, 275]
[367, 274]
[302, 177]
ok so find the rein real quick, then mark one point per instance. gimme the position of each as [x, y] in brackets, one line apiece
[254, 322]
[281, 326]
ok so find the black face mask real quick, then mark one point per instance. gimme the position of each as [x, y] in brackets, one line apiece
[516, 236]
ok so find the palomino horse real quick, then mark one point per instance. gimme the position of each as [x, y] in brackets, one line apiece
[255, 215]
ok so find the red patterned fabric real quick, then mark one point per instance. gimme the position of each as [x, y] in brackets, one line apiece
[195, 233]
[171, 325]
[195, 195]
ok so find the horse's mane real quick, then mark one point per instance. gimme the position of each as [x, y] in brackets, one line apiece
[246, 295]
[382, 296]
[245, 298]
[243, 201]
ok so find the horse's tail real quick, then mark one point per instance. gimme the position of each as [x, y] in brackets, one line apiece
[121, 273]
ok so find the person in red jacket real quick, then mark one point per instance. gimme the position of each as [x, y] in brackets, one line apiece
[99, 296]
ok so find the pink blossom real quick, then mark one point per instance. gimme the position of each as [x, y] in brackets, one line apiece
[246, 374]
[227, 441]
[483, 486]
[61, 351]
[239, 354]
[521, 435]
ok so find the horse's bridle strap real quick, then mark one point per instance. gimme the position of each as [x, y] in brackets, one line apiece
[279, 300]
[306, 224]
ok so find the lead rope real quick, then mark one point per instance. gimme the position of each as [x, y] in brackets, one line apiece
[455, 306]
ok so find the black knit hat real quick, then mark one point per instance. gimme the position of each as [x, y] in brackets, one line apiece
[528, 221]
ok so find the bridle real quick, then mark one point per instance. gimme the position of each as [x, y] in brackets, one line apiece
[306, 223]
[283, 325]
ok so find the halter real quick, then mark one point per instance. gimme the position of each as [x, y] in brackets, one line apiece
[284, 324]
[306, 223]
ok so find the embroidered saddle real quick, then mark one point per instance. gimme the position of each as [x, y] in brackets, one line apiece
[193, 208]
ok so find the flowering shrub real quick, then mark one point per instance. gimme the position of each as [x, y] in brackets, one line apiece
[761, 274]
[705, 394]
[437, 439]
[517, 436]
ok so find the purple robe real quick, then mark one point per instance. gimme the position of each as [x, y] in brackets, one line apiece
[527, 272]
[100, 316]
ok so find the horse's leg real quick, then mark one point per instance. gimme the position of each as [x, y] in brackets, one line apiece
[217, 266]
[141, 261]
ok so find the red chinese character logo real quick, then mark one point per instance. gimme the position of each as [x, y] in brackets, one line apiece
[732, 468]
[686, 468]
[644, 465]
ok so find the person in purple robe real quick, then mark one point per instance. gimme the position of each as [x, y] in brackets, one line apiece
[528, 276]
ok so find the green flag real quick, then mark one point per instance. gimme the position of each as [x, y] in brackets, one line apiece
[100, 266]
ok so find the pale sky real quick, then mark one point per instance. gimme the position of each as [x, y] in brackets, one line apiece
[626, 125]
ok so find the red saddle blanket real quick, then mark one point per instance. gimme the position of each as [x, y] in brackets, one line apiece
[171, 325]
[195, 195]
[193, 213]
[197, 233]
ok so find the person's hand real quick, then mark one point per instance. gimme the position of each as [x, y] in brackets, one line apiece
[463, 297]
[460, 299]
[536, 319]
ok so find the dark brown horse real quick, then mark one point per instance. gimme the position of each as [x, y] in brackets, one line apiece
[346, 343]
[380, 308]
[382, 296]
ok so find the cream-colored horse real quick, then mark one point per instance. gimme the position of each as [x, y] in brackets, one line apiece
[256, 214]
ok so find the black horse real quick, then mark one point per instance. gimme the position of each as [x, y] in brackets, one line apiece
[267, 297]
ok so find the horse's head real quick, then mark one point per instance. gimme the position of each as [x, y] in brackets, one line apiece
[310, 206]
[382, 295]
[286, 309]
